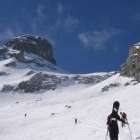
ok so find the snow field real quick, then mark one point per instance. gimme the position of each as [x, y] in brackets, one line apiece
[48, 118]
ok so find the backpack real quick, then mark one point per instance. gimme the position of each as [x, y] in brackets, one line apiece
[111, 122]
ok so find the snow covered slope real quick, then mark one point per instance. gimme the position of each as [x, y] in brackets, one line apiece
[51, 116]
[38, 75]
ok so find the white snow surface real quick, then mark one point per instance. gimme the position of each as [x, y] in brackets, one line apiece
[48, 118]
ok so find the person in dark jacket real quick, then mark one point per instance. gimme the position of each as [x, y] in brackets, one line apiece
[112, 122]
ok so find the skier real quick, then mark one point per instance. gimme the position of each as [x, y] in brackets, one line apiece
[25, 115]
[75, 120]
[112, 121]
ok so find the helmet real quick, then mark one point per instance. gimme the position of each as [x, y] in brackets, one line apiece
[116, 105]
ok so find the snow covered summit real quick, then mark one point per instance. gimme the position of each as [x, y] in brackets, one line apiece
[31, 44]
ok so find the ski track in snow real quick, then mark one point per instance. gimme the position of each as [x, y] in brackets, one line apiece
[49, 119]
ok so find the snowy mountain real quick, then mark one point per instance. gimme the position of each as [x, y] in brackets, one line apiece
[64, 97]
[27, 65]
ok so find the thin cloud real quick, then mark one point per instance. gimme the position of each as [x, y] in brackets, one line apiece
[38, 22]
[53, 20]
[40, 14]
[10, 31]
[40, 10]
[65, 21]
[97, 40]
[67, 24]
[60, 8]
[71, 23]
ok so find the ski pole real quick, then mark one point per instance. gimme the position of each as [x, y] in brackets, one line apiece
[106, 134]
[130, 132]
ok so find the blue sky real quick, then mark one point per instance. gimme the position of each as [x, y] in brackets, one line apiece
[87, 35]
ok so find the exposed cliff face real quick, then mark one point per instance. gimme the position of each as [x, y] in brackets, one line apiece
[31, 44]
[131, 67]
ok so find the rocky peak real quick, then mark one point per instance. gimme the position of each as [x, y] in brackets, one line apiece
[131, 67]
[135, 49]
[31, 44]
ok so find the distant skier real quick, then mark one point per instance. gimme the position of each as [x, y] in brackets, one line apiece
[25, 115]
[112, 121]
[75, 120]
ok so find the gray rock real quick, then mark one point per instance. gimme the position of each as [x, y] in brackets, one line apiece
[31, 44]
[42, 81]
[68, 106]
[131, 67]
[38, 82]
[3, 51]
[18, 55]
[89, 79]
[30, 72]
[114, 85]
[11, 64]
[127, 84]
[110, 86]
[7, 88]
[2, 73]
[135, 83]
[105, 88]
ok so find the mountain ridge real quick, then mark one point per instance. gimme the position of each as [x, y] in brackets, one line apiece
[37, 72]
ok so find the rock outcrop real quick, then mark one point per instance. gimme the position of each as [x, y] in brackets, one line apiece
[3, 51]
[30, 44]
[42, 81]
[110, 86]
[131, 67]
